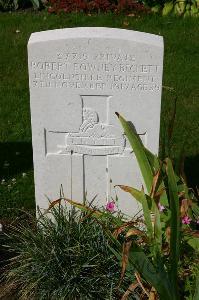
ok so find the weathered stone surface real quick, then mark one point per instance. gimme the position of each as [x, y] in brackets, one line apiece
[79, 78]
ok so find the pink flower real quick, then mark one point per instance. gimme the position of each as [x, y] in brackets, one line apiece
[197, 222]
[186, 220]
[110, 206]
[161, 207]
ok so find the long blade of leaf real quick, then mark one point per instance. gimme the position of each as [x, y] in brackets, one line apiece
[138, 277]
[156, 165]
[147, 215]
[123, 227]
[196, 294]
[146, 202]
[125, 257]
[130, 290]
[95, 212]
[153, 160]
[157, 235]
[175, 225]
[139, 151]
[155, 183]
[157, 278]
[138, 195]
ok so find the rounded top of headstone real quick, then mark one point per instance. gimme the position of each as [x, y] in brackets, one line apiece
[96, 32]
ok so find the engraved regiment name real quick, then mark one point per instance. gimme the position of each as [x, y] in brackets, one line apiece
[97, 71]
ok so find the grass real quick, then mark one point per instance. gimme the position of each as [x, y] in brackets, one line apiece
[181, 38]
[67, 258]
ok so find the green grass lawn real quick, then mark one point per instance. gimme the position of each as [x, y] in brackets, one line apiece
[181, 82]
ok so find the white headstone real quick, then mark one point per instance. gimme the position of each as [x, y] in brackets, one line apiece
[79, 78]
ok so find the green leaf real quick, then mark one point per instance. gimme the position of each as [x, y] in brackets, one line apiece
[194, 243]
[196, 294]
[175, 225]
[136, 194]
[139, 151]
[156, 164]
[146, 203]
[195, 209]
[156, 276]
[167, 9]
[156, 9]
[16, 4]
[153, 160]
[35, 3]
[147, 215]
[157, 234]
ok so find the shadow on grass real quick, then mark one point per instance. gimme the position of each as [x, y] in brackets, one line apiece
[191, 166]
[16, 180]
[15, 158]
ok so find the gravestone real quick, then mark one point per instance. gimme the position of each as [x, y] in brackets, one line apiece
[79, 78]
